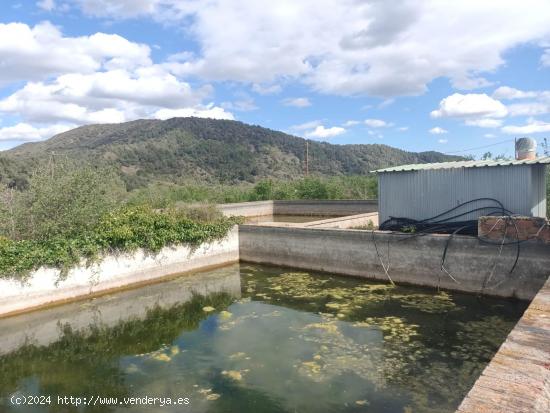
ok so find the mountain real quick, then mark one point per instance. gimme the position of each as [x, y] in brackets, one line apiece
[206, 150]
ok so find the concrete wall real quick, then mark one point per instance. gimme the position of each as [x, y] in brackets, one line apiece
[348, 221]
[113, 272]
[42, 327]
[330, 207]
[300, 207]
[413, 260]
[247, 209]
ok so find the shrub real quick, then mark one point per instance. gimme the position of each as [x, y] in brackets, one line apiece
[263, 190]
[62, 198]
[123, 230]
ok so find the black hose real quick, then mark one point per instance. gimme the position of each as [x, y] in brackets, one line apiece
[445, 224]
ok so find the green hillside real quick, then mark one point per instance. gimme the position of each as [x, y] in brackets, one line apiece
[201, 150]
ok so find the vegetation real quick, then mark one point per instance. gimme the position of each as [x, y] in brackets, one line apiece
[69, 213]
[208, 151]
[339, 187]
[123, 230]
[87, 362]
[60, 198]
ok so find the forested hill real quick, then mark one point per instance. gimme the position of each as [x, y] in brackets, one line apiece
[207, 150]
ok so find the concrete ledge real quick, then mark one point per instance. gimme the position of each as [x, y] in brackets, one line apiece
[413, 260]
[349, 221]
[113, 272]
[325, 207]
[247, 209]
[517, 379]
[300, 207]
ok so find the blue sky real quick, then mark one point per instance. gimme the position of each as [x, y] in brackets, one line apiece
[419, 75]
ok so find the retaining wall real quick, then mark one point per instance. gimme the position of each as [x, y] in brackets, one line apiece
[412, 260]
[300, 207]
[247, 209]
[348, 221]
[330, 207]
[43, 287]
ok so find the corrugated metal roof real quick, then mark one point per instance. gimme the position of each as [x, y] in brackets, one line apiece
[463, 164]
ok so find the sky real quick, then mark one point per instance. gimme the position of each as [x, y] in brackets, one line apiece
[462, 77]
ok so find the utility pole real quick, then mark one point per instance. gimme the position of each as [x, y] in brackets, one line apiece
[545, 146]
[307, 157]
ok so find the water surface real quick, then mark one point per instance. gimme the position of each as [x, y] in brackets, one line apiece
[259, 339]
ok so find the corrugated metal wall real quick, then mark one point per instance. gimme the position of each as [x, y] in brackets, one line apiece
[426, 193]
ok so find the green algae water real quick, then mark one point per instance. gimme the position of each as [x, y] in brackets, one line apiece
[251, 338]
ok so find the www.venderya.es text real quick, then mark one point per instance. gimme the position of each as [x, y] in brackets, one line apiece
[95, 400]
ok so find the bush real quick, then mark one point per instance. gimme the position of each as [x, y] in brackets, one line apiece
[62, 198]
[122, 230]
[263, 190]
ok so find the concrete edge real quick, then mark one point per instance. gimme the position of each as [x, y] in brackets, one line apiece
[518, 377]
[114, 272]
[409, 259]
[303, 207]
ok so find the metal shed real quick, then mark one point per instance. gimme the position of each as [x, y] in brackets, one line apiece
[421, 191]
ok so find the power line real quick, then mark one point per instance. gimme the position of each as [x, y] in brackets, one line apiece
[481, 147]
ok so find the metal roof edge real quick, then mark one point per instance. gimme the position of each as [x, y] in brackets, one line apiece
[462, 164]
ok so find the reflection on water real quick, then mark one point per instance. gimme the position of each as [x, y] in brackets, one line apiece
[287, 218]
[260, 339]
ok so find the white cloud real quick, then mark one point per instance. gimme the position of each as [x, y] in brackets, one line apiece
[42, 51]
[316, 130]
[266, 89]
[470, 106]
[403, 128]
[243, 103]
[529, 108]
[28, 133]
[532, 126]
[120, 8]
[385, 103]
[490, 135]
[350, 123]
[443, 140]
[385, 48]
[100, 78]
[377, 123]
[545, 58]
[506, 92]
[484, 122]
[297, 102]
[468, 83]
[111, 96]
[47, 5]
[305, 126]
[538, 105]
[323, 133]
[438, 131]
[209, 111]
[246, 105]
